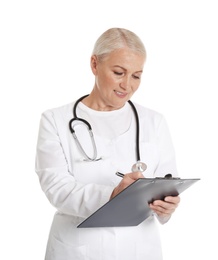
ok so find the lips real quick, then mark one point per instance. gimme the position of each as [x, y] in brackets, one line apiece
[120, 94]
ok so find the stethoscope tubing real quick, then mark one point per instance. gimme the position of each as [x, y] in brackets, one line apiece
[137, 129]
[76, 118]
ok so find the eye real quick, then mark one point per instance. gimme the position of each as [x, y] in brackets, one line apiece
[118, 73]
[136, 77]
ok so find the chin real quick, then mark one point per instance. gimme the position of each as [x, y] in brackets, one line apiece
[119, 105]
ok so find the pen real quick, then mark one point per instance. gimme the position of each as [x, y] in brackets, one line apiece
[119, 174]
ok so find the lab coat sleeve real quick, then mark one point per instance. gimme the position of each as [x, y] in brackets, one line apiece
[167, 161]
[59, 185]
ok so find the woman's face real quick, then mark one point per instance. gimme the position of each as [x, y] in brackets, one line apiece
[117, 77]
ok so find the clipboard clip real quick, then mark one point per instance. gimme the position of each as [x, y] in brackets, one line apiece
[168, 176]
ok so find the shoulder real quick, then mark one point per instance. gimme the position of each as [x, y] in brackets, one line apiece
[57, 117]
[60, 111]
[152, 120]
[146, 113]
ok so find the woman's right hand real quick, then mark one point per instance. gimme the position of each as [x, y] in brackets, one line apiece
[128, 179]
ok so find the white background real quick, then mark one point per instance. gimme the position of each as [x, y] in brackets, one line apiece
[45, 48]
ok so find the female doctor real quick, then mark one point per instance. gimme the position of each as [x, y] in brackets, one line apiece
[77, 170]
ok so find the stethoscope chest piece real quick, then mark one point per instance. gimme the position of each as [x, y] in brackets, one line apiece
[139, 167]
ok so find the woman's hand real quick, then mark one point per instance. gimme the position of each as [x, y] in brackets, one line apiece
[128, 179]
[165, 208]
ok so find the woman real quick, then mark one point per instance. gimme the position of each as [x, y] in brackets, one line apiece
[77, 186]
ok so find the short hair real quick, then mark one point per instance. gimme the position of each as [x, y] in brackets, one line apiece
[117, 38]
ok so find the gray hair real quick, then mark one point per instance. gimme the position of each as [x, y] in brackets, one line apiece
[117, 38]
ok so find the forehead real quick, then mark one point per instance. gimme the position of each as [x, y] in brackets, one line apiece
[125, 58]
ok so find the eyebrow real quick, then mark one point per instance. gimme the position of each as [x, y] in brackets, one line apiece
[140, 71]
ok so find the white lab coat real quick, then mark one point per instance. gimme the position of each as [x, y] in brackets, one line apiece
[77, 188]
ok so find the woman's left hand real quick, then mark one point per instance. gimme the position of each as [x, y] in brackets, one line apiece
[165, 208]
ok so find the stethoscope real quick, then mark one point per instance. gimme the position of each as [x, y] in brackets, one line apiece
[138, 166]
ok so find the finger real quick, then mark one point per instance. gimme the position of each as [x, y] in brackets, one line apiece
[161, 210]
[134, 175]
[173, 200]
[159, 204]
[164, 209]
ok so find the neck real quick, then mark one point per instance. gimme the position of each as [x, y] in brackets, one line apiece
[95, 102]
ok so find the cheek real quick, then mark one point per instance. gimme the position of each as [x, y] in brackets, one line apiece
[112, 82]
[106, 81]
[135, 86]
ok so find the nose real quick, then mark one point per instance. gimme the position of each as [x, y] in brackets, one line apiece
[125, 83]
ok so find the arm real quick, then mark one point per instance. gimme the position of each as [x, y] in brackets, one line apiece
[167, 164]
[57, 182]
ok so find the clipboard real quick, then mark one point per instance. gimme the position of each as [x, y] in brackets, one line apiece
[131, 206]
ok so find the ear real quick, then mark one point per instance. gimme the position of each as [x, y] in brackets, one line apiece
[93, 64]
